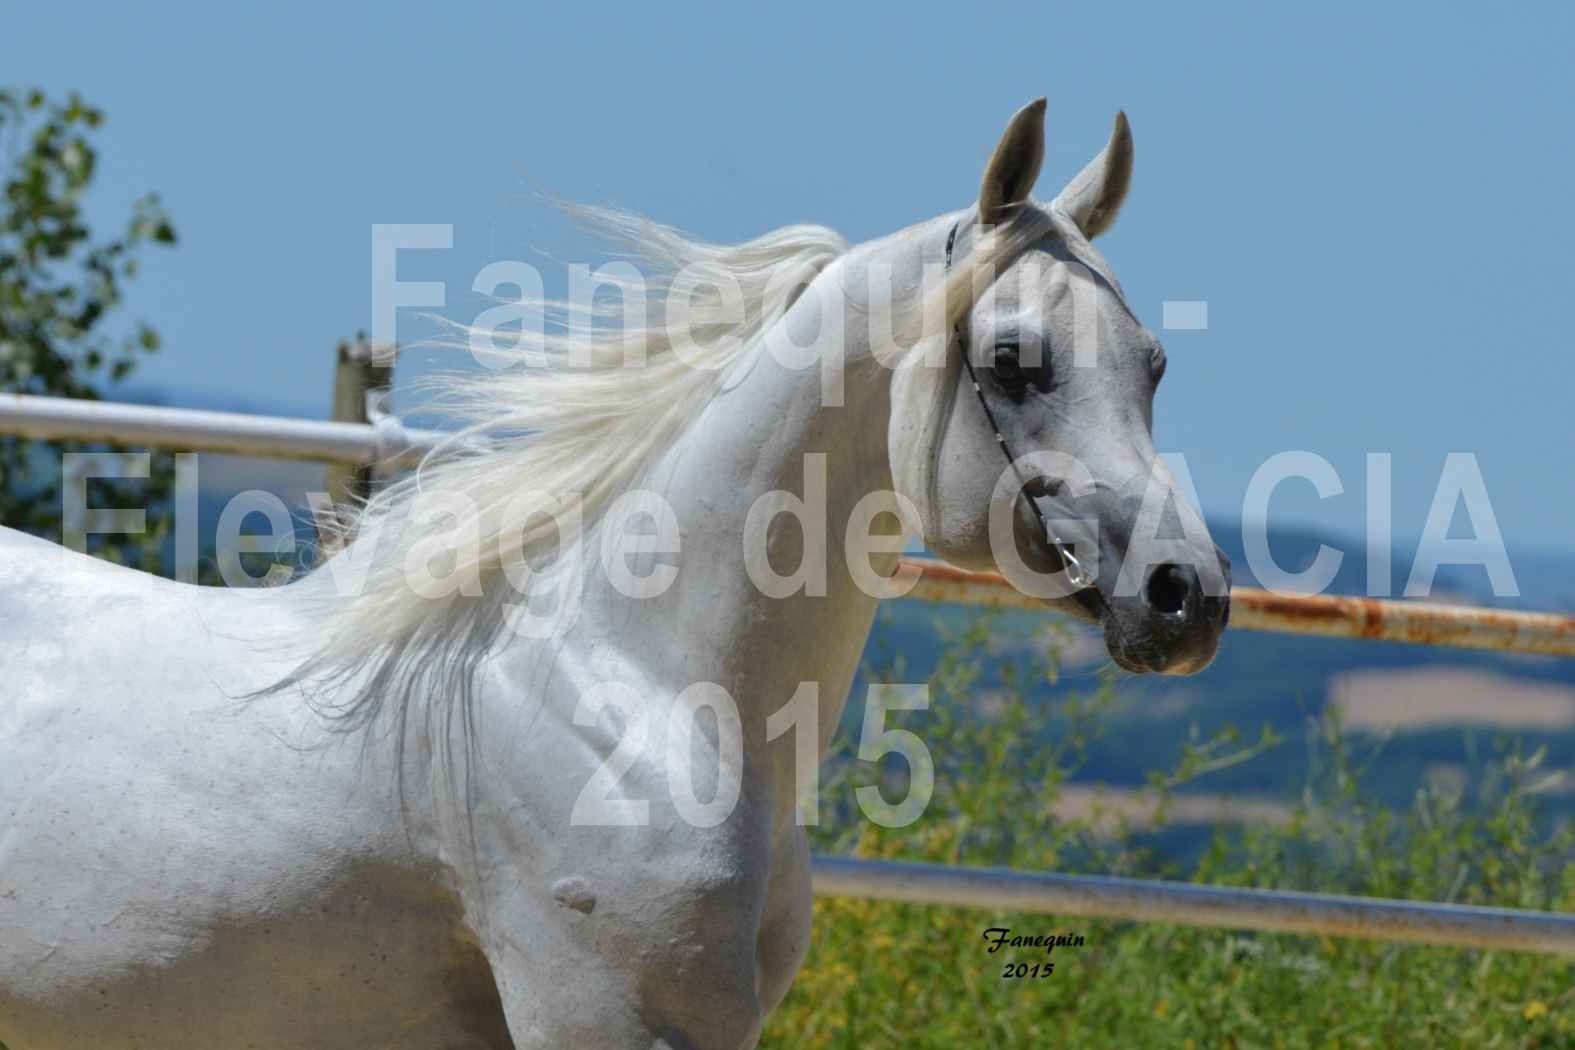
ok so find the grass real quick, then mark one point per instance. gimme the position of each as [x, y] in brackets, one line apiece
[892, 975]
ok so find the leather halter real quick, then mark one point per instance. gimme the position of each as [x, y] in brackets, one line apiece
[1076, 574]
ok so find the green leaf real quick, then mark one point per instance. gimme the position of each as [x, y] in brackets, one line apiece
[60, 285]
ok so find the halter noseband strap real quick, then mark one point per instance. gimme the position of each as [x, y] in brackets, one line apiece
[1076, 574]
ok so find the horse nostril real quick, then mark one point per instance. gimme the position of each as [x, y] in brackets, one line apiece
[1167, 590]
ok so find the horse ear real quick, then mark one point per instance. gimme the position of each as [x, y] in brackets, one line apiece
[1014, 166]
[1094, 197]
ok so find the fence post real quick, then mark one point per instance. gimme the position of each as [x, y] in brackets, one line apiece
[362, 369]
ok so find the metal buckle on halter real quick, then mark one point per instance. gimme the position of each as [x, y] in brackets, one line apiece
[1076, 574]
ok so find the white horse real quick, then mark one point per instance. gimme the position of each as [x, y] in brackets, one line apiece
[450, 828]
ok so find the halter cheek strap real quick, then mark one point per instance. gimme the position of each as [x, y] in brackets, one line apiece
[1076, 574]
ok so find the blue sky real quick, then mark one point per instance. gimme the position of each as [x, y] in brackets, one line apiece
[1374, 199]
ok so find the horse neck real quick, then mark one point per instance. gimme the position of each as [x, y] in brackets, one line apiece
[768, 431]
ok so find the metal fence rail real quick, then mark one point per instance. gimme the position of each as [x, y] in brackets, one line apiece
[1191, 904]
[189, 429]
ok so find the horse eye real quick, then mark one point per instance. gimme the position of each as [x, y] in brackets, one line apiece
[1008, 370]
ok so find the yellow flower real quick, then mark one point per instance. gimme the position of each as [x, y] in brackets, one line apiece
[1534, 1009]
[1160, 1007]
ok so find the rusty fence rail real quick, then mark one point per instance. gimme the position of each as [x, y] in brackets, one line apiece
[1091, 896]
[1251, 609]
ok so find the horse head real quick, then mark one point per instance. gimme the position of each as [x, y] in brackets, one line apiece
[1024, 440]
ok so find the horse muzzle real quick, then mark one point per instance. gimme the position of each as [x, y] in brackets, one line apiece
[1172, 625]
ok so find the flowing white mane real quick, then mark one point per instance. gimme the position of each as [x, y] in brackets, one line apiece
[577, 412]
[580, 409]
